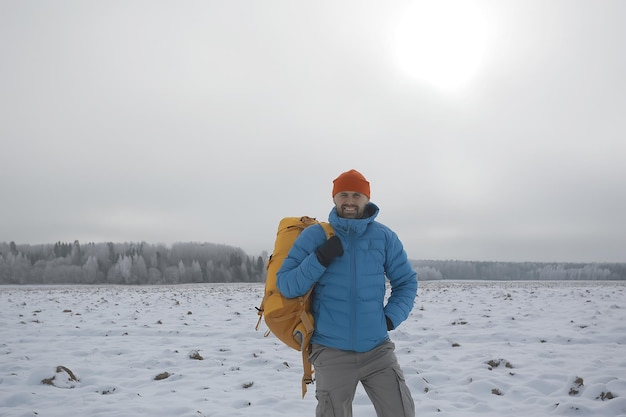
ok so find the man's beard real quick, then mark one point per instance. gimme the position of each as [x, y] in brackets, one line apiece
[351, 214]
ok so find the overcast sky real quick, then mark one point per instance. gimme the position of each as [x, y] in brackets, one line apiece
[208, 121]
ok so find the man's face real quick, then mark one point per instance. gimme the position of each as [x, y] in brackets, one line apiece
[350, 204]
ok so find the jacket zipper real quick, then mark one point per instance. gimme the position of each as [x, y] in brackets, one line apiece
[353, 289]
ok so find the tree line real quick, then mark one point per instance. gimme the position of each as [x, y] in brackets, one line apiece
[142, 263]
[127, 263]
[510, 271]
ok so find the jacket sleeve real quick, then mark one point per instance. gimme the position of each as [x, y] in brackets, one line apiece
[301, 269]
[403, 279]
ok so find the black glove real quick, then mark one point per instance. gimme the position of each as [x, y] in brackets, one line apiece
[389, 323]
[329, 251]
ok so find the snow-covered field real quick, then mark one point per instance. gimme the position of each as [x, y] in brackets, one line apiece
[468, 349]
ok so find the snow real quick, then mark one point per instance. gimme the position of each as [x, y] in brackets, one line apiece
[468, 349]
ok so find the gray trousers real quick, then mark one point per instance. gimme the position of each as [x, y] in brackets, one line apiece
[338, 372]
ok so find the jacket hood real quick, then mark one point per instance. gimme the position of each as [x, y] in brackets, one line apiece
[356, 226]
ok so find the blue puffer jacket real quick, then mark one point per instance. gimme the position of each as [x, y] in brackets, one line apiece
[348, 302]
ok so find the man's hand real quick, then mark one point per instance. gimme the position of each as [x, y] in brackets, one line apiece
[329, 251]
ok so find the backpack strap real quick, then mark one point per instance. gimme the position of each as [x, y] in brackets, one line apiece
[307, 378]
[328, 229]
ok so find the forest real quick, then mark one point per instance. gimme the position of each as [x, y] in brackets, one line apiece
[127, 263]
[192, 262]
[518, 271]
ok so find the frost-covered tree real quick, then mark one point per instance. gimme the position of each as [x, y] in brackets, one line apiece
[121, 272]
[13, 248]
[139, 269]
[90, 270]
[76, 254]
[196, 272]
[427, 273]
[126, 268]
[155, 277]
[171, 275]
[20, 268]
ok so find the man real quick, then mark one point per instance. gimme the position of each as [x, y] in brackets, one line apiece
[350, 343]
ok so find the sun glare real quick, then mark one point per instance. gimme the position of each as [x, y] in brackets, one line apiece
[441, 41]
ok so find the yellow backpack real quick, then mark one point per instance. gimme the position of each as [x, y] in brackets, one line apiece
[289, 319]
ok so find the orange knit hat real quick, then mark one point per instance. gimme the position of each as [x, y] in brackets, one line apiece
[351, 180]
